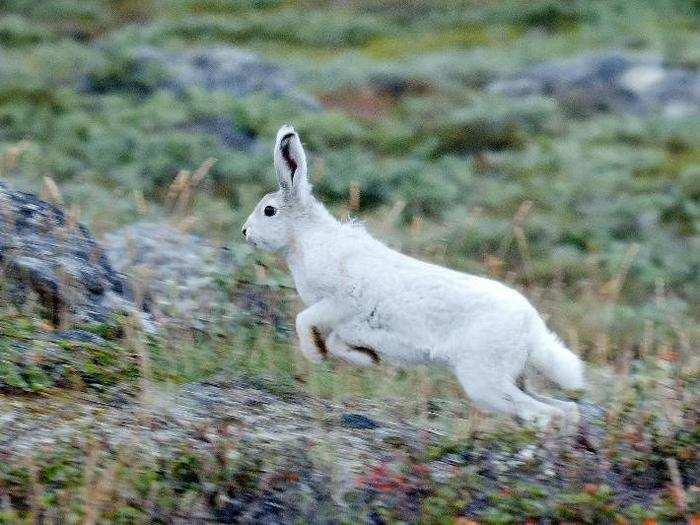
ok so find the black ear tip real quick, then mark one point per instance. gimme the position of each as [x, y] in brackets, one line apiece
[286, 137]
[284, 148]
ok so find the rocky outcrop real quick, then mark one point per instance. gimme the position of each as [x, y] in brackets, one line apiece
[175, 276]
[189, 281]
[44, 254]
[220, 68]
[615, 81]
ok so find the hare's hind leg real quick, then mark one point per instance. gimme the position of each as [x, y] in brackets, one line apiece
[356, 355]
[490, 390]
[569, 408]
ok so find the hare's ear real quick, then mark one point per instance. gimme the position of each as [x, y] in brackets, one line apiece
[290, 163]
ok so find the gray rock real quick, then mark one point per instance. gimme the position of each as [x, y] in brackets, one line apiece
[220, 68]
[44, 254]
[591, 434]
[187, 280]
[615, 81]
[226, 132]
[358, 422]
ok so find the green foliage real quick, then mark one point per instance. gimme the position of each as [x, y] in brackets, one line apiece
[589, 506]
[301, 27]
[553, 15]
[520, 501]
[31, 363]
[18, 31]
[120, 70]
[485, 123]
[185, 472]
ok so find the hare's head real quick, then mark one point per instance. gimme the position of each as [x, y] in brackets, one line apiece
[274, 219]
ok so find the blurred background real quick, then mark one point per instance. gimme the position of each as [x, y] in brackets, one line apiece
[550, 144]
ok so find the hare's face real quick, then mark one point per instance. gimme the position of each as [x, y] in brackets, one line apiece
[267, 227]
[270, 226]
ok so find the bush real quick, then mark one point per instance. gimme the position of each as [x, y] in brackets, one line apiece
[484, 123]
[553, 15]
[18, 31]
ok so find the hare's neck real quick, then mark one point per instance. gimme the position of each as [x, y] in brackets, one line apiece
[309, 228]
[307, 253]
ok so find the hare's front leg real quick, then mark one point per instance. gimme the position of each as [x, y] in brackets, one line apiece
[313, 326]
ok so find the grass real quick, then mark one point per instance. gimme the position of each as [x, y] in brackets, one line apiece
[594, 217]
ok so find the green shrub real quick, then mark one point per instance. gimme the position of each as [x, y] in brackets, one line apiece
[18, 31]
[553, 15]
[484, 123]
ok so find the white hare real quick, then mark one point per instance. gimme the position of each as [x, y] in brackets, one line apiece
[366, 302]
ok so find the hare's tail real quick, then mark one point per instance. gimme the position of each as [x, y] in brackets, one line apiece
[549, 355]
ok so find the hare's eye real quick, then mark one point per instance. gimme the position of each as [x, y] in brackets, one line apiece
[269, 211]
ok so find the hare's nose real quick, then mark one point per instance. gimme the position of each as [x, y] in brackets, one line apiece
[243, 230]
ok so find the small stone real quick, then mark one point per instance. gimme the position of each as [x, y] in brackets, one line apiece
[358, 422]
[527, 454]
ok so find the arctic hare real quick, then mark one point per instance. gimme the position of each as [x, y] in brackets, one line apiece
[366, 302]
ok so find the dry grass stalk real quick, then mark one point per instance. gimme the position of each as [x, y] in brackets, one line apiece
[134, 337]
[573, 340]
[177, 186]
[392, 216]
[319, 172]
[35, 504]
[416, 225]
[10, 158]
[494, 266]
[98, 494]
[354, 201]
[609, 293]
[181, 191]
[677, 490]
[521, 238]
[90, 475]
[50, 192]
[202, 171]
[187, 224]
[601, 346]
[624, 362]
[141, 204]
[612, 288]
[73, 217]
